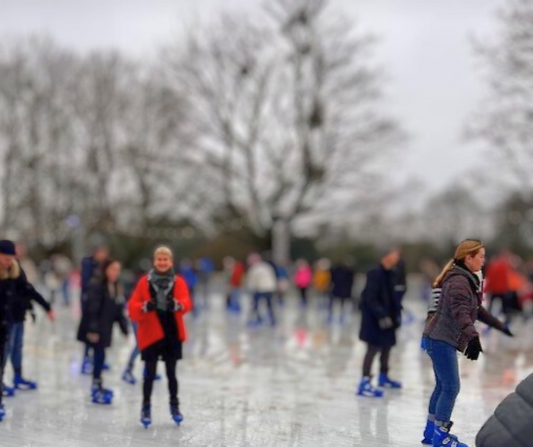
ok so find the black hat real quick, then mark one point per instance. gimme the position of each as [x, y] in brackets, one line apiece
[7, 248]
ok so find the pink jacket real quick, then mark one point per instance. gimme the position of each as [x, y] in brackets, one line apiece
[303, 277]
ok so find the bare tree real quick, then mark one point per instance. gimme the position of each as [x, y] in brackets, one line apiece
[286, 116]
[505, 118]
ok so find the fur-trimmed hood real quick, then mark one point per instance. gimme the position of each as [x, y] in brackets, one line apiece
[11, 273]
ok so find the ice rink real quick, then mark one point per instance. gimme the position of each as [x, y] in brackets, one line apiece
[293, 385]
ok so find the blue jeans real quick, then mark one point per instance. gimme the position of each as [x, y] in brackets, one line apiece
[14, 345]
[446, 368]
[267, 296]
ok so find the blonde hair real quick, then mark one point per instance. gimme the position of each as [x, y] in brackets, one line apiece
[469, 247]
[163, 250]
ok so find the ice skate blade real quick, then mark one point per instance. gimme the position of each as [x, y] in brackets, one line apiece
[178, 420]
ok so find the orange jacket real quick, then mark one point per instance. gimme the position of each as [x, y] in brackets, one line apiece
[150, 330]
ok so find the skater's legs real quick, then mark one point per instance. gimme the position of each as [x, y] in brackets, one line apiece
[170, 366]
[135, 352]
[268, 298]
[149, 375]
[384, 360]
[371, 352]
[445, 364]
[303, 294]
[435, 396]
[17, 346]
[3, 354]
[255, 310]
[99, 359]
[8, 346]
[66, 292]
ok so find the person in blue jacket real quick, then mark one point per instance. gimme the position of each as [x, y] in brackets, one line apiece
[91, 267]
[380, 317]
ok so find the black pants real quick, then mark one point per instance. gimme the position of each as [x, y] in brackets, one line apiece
[149, 375]
[99, 360]
[371, 352]
[303, 295]
[506, 303]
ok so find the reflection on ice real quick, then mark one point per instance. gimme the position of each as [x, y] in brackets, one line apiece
[292, 385]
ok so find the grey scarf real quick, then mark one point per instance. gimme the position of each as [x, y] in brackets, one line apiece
[163, 283]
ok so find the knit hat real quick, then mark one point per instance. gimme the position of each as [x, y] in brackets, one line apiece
[7, 248]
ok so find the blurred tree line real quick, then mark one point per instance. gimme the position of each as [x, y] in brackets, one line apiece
[240, 123]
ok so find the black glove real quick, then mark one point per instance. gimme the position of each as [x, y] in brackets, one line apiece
[174, 306]
[148, 306]
[385, 323]
[473, 349]
[507, 332]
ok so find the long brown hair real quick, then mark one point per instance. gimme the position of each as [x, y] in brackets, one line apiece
[469, 247]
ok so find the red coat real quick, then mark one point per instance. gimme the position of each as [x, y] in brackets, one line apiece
[150, 330]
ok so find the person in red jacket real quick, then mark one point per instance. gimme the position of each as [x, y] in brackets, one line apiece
[158, 305]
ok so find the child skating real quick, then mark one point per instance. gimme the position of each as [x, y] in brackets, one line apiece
[104, 307]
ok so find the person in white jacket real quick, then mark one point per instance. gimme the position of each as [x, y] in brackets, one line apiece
[262, 284]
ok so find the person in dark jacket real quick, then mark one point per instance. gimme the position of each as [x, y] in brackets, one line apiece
[510, 425]
[91, 267]
[104, 306]
[22, 297]
[342, 280]
[158, 305]
[451, 329]
[379, 321]
[14, 290]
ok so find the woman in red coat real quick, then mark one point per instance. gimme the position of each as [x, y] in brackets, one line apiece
[158, 305]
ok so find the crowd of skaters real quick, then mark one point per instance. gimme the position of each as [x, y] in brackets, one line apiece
[157, 299]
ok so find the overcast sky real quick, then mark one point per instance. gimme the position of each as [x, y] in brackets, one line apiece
[434, 83]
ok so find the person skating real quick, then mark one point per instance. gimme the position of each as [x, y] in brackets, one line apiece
[342, 281]
[22, 301]
[91, 266]
[451, 328]
[379, 321]
[261, 281]
[303, 277]
[104, 307]
[14, 289]
[158, 305]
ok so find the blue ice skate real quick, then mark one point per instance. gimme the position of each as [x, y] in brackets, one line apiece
[367, 390]
[146, 416]
[7, 391]
[2, 412]
[176, 415]
[87, 366]
[429, 431]
[385, 382]
[443, 438]
[23, 384]
[128, 377]
[102, 396]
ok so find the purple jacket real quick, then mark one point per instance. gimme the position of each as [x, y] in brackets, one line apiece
[459, 308]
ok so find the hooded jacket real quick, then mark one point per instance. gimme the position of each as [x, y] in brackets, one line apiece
[16, 295]
[458, 309]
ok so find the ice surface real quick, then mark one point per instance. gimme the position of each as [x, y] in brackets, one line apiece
[289, 386]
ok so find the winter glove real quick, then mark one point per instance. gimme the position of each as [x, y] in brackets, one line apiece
[174, 306]
[148, 306]
[385, 323]
[507, 332]
[473, 349]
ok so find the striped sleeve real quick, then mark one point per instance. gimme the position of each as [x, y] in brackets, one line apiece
[434, 300]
